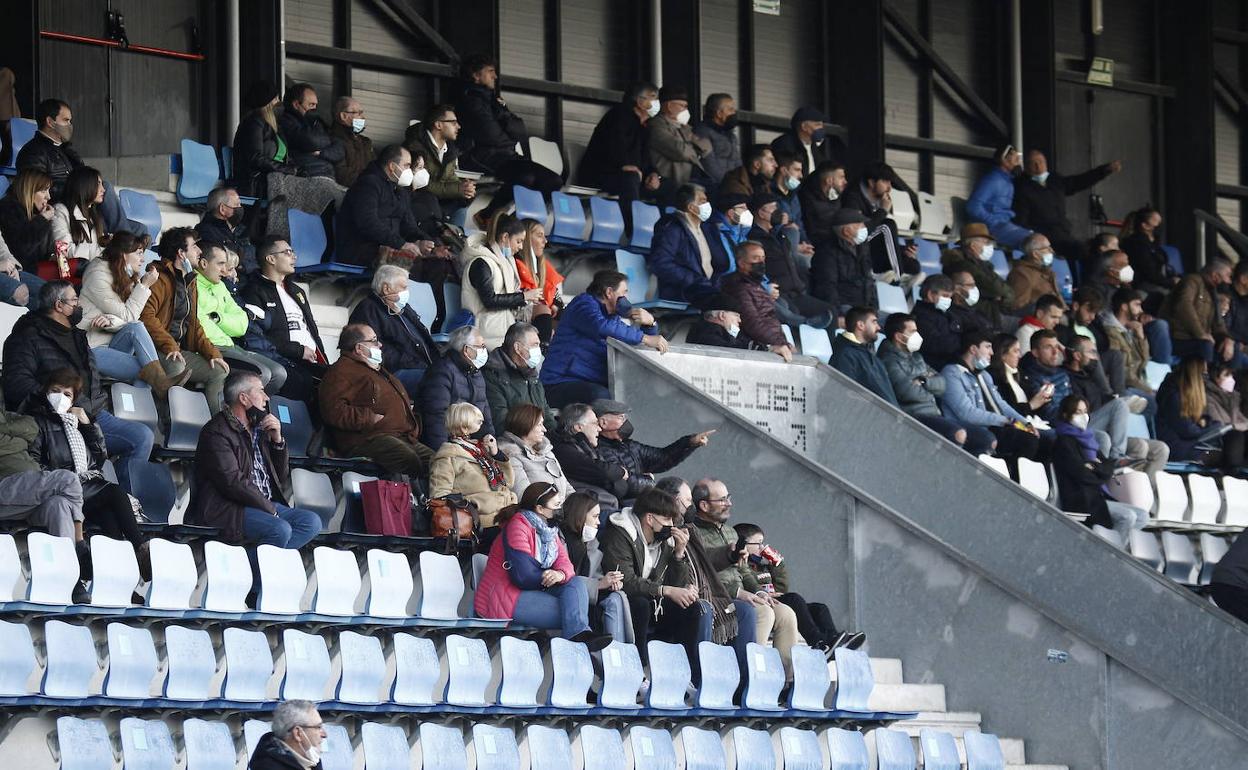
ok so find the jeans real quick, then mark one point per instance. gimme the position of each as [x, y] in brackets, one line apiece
[1126, 518]
[565, 607]
[130, 349]
[290, 528]
[1160, 349]
[942, 425]
[32, 282]
[747, 620]
[127, 440]
[1111, 418]
[616, 620]
[1193, 349]
[561, 394]
[411, 381]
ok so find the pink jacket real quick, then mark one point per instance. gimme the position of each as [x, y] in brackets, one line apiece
[497, 594]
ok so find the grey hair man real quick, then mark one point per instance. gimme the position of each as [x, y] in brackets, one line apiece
[511, 375]
[407, 347]
[453, 378]
[297, 739]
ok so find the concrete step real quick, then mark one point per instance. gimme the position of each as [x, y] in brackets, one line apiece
[1036, 767]
[907, 697]
[956, 722]
[885, 671]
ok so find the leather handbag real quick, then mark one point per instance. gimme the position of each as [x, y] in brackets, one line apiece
[454, 518]
[387, 507]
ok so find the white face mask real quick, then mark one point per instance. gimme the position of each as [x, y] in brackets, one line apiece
[833, 194]
[480, 358]
[1080, 421]
[1047, 259]
[1126, 274]
[972, 296]
[60, 402]
[682, 118]
[944, 303]
[733, 331]
[374, 356]
[420, 178]
[357, 124]
[401, 300]
[914, 343]
[860, 237]
[746, 220]
[704, 211]
[986, 252]
[652, 108]
[535, 357]
[588, 533]
[405, 178]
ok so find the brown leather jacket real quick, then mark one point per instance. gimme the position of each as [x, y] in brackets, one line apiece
[1192, 310]
[353, 392]
[223, 484]
[158, 313]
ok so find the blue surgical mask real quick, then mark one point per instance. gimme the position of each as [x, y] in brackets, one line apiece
[704, 211]
[374, 355]
[401, 301]
[357, 124]
[535, 357]
[186, 265]
[506, 251]
[861, 236]
[792, 183]
[981, 364]
[1041, 177]
[818, 135]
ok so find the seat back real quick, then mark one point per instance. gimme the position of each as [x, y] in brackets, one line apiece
[904, 213]
[928, 256]
[390, 584]
[569, 218]
[146, 744]
[132, 662]
[452, 297]
[1206, 498]
[669, 675]
[1236, 501]
[248, 664]
[608, 222]
[173, 575]
[1033, 477]
[200, 170]
[4, 185]
[307, 666]
[522, 672]
[634, 266]
[1174, 257]
[529, 204]
[811, 680]
[152, 484]
[339, 754]
[933, 216]
[307, 237]
[645, 217]
[17, 659]
[71, 661]
[549, 748]
[442, 747]
[848, 749]
[83, 744]
[1143, 546]
[253, 731]
[417, 670]
[893, 750]
[470, 668]
[363, 668]
[703, 749]
[209, 745]
[115, 572]
[752, 749]
[1061, 273]
[353, 506]
[1181, 563]
[228, 577]
[573, 673]
[495, 747]
[546, 153]
[983, 751]
[892, 298]
[385, 747]
[192, 664]
[21, 131]
[1171, 496]
[134, 404]
[1155, 373]
[764, 677]
[53, 568]
[940, 751]
[422, 301]
[603, 748]
[721, 676]
[296, 424]
[622, 676]
[282, 580]
[442, 586]
[815, 342]
[1212, 549]
[10, 568]
[314, 491]
[337, 581]
[653, 749]
[800, 749]
[854, 680]
[142, 208]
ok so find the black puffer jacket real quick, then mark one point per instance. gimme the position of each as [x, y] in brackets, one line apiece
[375, 212]
[30, 240]
[312, 150]
[39, 345]
[51, 447]
[491, 130]
[54, 160]
[585, 465]
[272, 754]
[638, 458]
[450, 380]
[255, 146]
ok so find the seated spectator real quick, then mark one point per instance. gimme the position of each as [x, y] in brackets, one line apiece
[1044, 365]
[511, 375]
[915, 385]
[223, 223]
[616, 161]
[115, 289]
[974, 254]
[312, 150]
[437, 136]
[1223, 404]
[223, 319]
[576, 447]
[285, 329]
[537, 272]
[43, 342]
[1040, 201]
[77, 224]
[1183, 414]
[1031, 277]
[295, 740]
[1121, 325]
[757, 304]
[407, 347]
[726, 553]
[367, 409]
[453, 378]
[731, 221]
[973, 401]
[532, 455]
[719, 126]
[50, 500]
[840, 271]
[1012, 383]
[675, 151]
[1149, 262]
[1192, 310]
[608, 604]
[820, 194]
[26, 214]
[644, 544]
[472, 467]
[992, 200]
[784, 187]
[171, 316]
[965, 300]
[1082, 473]
[264, 168]
[872, 198]
[807, 138]
[1088, 382]
[1237, 320]
[492, 133]
[348, 132]
[754, 176]
[377, 220]
[68, 440]
[492, 290]
[720, 326]
[686, 254]
[777, 234]
[1049, 312]
[50, 152]
[576, 368]
[641, 462]
[853, 353]
[940, 329]
[241, 471]
[1229, 584]
[814, 619]
[1085, 305]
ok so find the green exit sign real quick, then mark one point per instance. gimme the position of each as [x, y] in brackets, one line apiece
[769, 7]
[1101, 73]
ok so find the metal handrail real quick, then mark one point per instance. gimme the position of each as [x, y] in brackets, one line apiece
[1238, 240]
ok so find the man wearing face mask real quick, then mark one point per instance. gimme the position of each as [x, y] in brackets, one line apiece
[853, 353]
[840, 272]
[966, 299]
[407, 347]
[787, 265]
[511, 375]
[873, 198]
[760, 321]
[808, 139]
[367, 410]
[616, 160]
[348, 131]
[820, 195]
[972, 400]
[1087, 380]
[376, 219]
[241, 471]
[641, 461]
[223, 223]
[1040, 201]
[676, 152]
[941, 330]
[1032, 277]
[297, 741]
[784, 188]
[974, 254]
[915, 384]
[686, 254]
[455, 377]
[992, 200]
[720, 325]
[718, 126]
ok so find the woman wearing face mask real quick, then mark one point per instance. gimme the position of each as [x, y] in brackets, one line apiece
[532, 455]
[1082, 473]
[536, 272]
[115, 288]
[529, 577]
[69, 440]
[474, 468]
[608, 606]
[1223, 404]
[492, 292]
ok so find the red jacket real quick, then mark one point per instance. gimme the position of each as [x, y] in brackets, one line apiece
[497, 593]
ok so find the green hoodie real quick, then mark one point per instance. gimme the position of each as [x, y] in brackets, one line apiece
[16, 433]
[231, 318]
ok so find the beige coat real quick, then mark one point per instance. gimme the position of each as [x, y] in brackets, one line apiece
[98, 298]
[674, 149]
[492, 324]
[453, 471]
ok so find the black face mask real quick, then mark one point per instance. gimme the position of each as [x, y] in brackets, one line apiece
[664, 533]
[777, 218]
[255, 414]
[75, 317]
[758, 269]
[730, 122]
[235, 218]
[626, 430]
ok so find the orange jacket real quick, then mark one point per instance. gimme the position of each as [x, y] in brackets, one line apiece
[551, 280]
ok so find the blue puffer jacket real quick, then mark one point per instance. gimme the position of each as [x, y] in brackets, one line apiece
[1038, 375]
[992, 201]
[578, 352]
[451, 380]
[676, 261]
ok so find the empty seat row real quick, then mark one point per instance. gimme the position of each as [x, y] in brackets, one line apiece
[1194, 501]
[603, 228]
[1174, 554]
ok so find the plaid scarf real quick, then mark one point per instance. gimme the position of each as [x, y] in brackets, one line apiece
[77, 445]
[493, 472]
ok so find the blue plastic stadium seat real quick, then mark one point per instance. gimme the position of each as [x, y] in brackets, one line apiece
[188, 414]
[634, 266]
[854, 680]
[529, 204]
[142, 208]
[135, 404]
[652, 748]
[385, 747]
[569, 219]
[1061, 271]
[848, 750]
[764, 677]
[983, 751]
[153, 485]
[800, 749]
[573, 673]
[468, 661]
[811, 680]
[228, 574]
[296, 424]
[282, 580]
[391, 583]
[1000, 262]
[116, 572]
[892, 298]
[622, 676]
[308, 239]
[603, 748]
[53, 569]
[192, 664]
[442, 586]
[495, 747]
[314, 492]
[4, 185]
[669, 675]
[363, 668]
[340, 755]
[17, 659]
[703, 749]
[608, 223]
[132, 662]
[338, 581]
[22, 130]
[83, 744]
[71, 661]
[200, 172]
[893, 750]
[549, 748]
[248, 664]
[174, 575]
[522, 672]
[928, 256]
[1174, 258]
[721, 675]
[422, 301]
[645, 217]
[940, 752]
[442, 747]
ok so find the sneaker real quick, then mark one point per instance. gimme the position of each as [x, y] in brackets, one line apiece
[81, 595]
[591, 640]
[850, 640]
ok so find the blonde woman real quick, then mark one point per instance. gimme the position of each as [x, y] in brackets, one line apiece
[492, 291]
[26, 218]
[474, 468]
[536, 272]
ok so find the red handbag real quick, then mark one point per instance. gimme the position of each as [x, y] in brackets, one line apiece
[387, 507]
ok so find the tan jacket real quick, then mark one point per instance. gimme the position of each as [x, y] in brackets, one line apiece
[454, 471]
[1030, 282]
[1192, 310]
[1135, 354]
[158, 312]
[675, 149]
[98, 298]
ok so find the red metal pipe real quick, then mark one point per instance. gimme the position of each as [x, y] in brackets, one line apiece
[106, 43]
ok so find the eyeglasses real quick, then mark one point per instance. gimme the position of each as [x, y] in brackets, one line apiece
[724, 499]
[317, 726]
[373, 341]
[285, 251]
[452, 121]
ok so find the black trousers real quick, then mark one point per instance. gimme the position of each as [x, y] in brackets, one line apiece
[814, 620]
[523, 172]
[674, 624]
[1232, 599]
[106, 507]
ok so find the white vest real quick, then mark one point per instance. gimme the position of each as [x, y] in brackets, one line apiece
[492, 324]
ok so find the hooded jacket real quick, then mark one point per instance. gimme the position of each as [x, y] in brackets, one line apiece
[624, 549]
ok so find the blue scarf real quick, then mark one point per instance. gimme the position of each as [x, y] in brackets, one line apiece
[547, 537]
[1083, 436]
